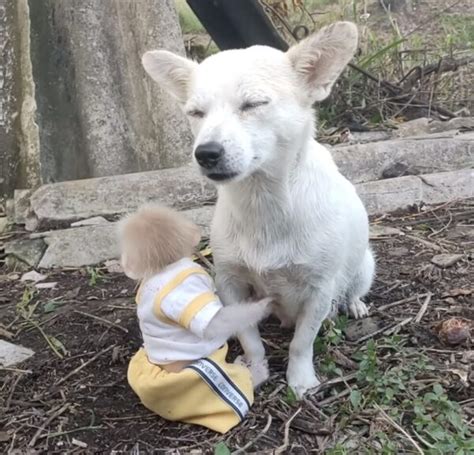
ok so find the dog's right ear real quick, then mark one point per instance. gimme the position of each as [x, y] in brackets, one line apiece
[319, 59]
[171, 71]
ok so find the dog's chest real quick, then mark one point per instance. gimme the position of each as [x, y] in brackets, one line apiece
[286, 283]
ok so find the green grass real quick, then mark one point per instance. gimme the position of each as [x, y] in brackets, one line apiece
[188, 21]
[395, 386]
[458, 30]
[95, 275]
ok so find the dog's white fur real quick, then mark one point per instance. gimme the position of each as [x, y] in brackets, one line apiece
[287, 223]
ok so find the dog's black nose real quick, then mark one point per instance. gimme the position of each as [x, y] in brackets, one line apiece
[208, 154]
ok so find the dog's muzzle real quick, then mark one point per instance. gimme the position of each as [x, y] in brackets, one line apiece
[210, 156]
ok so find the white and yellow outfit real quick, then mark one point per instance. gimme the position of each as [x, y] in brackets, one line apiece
[174, 309]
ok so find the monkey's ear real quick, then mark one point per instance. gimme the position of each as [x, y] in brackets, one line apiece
[196, 236]
[132, 267]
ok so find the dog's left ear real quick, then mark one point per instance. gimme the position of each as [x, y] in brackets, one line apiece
[320, 58]
[171, 71]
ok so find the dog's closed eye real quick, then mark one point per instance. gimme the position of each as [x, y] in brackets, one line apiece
[249, 105]
[197, 113]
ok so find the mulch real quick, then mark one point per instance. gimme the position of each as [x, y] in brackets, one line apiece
[72, 396]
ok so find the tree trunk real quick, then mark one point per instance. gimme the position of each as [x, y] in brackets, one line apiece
[97, 111]
[9, 96]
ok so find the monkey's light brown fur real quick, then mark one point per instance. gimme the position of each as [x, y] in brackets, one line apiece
[153, 238]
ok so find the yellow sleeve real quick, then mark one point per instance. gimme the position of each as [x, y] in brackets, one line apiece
[188, 300]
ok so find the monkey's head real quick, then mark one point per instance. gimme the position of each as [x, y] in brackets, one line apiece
[153, 238]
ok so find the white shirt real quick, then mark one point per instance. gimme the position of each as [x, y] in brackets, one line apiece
[174, 309]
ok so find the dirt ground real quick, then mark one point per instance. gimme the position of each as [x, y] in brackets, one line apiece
[398, 382]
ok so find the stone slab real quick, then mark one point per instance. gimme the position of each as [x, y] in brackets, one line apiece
[28, 251]
[389, 195]
[74, 200]
[448, 186]
[90, 245]
[81, 246]
[442, 152]
[184, 188]
[425, 125]
[385, 196]
[13, 354]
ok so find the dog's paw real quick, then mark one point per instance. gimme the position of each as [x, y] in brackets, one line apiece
[301, 380]
[358, 309]
[258, 370]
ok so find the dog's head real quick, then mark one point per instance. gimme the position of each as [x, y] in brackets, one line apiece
[249, 107]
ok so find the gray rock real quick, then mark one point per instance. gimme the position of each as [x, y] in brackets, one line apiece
[90, 245]
[28, 251]
[184, 188]
[13, 354]
[34, 276]
[393, 194]
[430, 154]
[79, 199]
[399, 251]
[94, 221]
[448, 186]
[397, 170]
[369, 136]
[78, 247]
[446, 260]
[423, 126]
[202, 217]
[389, 195]
[414, 127]
[361, 327]
[113, 266]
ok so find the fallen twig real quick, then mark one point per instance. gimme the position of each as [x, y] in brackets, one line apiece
[334, 397]
[431, 245]
[55, 414]
[423, 308]
[206, 261]
[15, 370]
[400, 302]
[12, 391]
[79, 368]
[254, 440]
[385, 330]
[399, 428]
[286, 440]
[331, 382]
[105, 321]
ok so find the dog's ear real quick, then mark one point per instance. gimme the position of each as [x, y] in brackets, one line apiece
[320, 58]
[171, 71]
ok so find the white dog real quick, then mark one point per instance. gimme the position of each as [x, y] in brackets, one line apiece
[287, 223]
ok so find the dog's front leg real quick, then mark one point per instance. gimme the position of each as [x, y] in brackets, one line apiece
[300, 373]
[232, 290]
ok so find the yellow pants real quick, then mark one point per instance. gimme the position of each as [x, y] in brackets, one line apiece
[209, 392]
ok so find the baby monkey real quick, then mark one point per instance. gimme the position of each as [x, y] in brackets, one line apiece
[181, 372]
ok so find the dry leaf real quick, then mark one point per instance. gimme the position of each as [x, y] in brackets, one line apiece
[454, 331]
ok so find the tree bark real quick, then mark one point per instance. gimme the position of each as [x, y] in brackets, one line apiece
[8, 96]
[95, 110]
